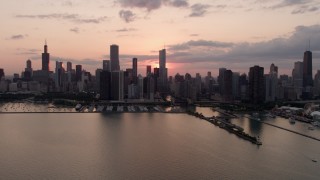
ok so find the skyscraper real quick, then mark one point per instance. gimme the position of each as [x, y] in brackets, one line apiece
[162, 59]
[105, 85]
[117, 89]
[227, 85]
[148, 70]
[78, 73]
[256, 84]
[297, 78]
[1, 74]
[135, 70]
[163, 71]
[106, 66]
[271, 84]
[28, 64]
[114, 57]
[45, 58]
[69, 66]
[307, 69]
[59, 75]
[28, 70]
[317, 83]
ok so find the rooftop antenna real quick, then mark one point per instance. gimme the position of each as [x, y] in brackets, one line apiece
[309, 45]
[45, 42]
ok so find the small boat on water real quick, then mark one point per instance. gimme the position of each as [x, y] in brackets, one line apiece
[78, 107]
[316, 123]
[269, 115]
[258, 141]
[255, 114]
[292, 121]
[311, 128]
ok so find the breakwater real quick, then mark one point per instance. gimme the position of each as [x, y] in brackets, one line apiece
[231, 128]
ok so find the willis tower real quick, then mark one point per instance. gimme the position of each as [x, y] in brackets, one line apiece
[45, 58]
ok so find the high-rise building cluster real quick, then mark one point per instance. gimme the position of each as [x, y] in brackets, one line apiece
[115, 84]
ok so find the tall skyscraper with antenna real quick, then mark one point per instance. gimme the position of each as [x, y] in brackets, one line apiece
[45, 58]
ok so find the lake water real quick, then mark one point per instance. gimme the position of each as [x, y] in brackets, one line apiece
[151, 146]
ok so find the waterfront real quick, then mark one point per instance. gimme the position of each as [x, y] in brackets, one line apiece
[151, 146]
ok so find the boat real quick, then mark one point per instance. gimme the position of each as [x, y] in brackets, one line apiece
[269, 115]
[310, 128]
[258, 142]
[316, 123]
[292, 121]
[313, 160]
[255, 114]
[78, 107]
[91, 108]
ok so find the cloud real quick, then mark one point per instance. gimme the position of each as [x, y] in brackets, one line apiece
[127, 15]
[304, 9]
[17, 37]
[286, 3]
[150, 5]
[300, 6]
[281, 51]
[194, 35]
[199, 10]
[179, 3]
[126, 29]
[145, 4]
[75, 18]
[75, 30]
[67, 3]
[200, 43]
[24, 51]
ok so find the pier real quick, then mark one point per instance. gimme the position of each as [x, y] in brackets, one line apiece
[231, 128]
[295, 132]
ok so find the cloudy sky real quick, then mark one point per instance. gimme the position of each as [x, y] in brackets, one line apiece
[199, 35]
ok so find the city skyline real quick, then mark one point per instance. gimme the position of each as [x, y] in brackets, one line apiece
[233, 36]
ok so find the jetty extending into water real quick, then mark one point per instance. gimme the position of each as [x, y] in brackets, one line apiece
[231, 128]
[295, 132]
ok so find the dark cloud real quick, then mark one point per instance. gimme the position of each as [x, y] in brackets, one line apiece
[300, 6]
[179, 3]
[127, 15]
[76, 18]
[286, 3]
[75, 30]
[17, 37]
[200, 43]
[145, 4]
[126, 30]
[199, 10]
[150, 5]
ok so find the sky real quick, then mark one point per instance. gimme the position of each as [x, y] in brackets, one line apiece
[199, 35]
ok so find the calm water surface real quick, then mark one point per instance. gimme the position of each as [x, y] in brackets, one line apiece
[150, 146]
